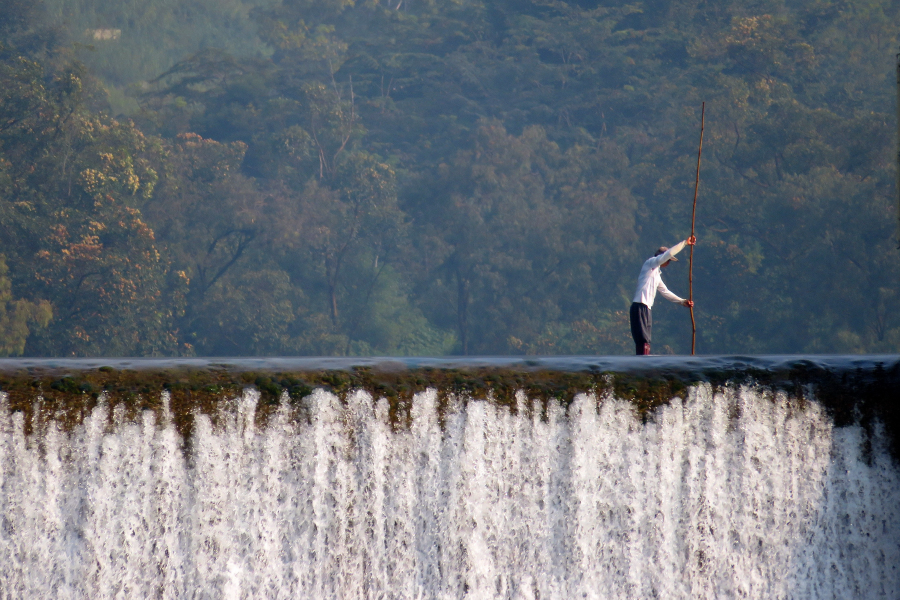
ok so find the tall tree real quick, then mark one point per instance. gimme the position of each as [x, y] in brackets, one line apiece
[72, 189]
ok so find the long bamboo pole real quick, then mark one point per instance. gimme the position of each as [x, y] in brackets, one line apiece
[693, 220]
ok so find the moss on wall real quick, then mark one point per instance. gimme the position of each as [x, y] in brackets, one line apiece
[68, 395]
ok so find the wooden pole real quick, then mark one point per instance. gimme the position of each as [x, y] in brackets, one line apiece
[693, 219]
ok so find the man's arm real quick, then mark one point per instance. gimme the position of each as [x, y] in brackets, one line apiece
[668, 254]
[664, 291]
[668, 295]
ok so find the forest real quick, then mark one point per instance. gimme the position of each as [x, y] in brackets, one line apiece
[455, 177]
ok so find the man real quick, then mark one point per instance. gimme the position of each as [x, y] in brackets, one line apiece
[649, 282]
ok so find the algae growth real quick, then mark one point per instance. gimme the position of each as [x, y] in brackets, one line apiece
[863, 394]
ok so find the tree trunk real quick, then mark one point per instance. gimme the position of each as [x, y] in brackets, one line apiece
[332, 294]
[462, 311]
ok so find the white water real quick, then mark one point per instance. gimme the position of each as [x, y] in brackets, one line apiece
[727, 495]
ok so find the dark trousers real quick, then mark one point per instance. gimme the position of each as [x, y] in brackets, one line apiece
[641, 323]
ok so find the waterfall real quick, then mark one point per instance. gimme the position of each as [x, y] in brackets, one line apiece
[725, 493]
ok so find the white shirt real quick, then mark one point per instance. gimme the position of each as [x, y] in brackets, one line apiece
[650, 280]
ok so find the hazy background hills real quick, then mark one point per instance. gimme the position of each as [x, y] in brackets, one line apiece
[229, 177]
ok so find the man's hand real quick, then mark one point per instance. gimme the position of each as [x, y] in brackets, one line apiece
[691, 241]
[688, 303]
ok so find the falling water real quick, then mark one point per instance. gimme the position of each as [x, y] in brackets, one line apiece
[728, 493]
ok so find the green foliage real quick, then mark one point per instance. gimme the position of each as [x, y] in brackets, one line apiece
[23, 31]
[130, 41]
[420, 177]
[72, 188]
[514, 226]
[18, 318]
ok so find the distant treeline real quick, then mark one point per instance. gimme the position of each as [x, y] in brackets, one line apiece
[330, 177]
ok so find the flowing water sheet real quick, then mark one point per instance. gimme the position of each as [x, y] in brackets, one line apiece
[733, 493]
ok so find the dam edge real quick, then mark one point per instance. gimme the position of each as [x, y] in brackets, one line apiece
[862, 389]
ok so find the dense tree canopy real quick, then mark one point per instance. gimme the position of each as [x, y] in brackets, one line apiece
[261, 177]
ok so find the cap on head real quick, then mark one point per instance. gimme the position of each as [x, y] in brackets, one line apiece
[661, 250]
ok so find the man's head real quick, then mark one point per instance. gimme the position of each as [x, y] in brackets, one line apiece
[662, 250]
